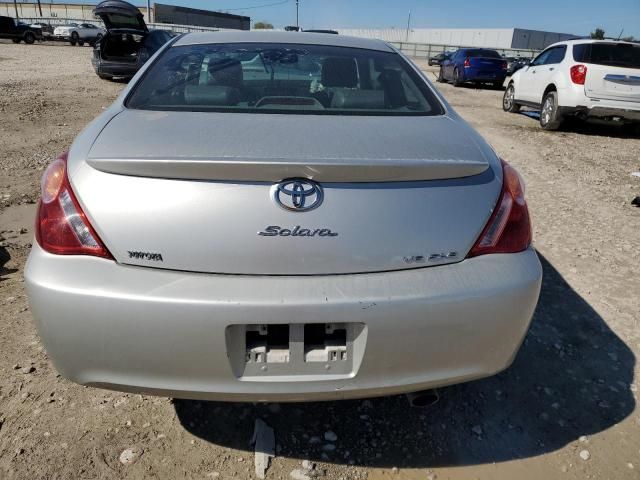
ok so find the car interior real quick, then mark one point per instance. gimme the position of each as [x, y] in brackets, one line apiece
[122, 47]
[284, 78]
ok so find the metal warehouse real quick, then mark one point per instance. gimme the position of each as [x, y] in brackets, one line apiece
[160, 13]
[202, 18]
[502, 38]
[78, 11]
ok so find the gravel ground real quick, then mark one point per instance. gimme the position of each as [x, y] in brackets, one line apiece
[565, 409]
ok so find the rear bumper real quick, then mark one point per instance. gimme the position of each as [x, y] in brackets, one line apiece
[163, 332]
[603, 112]
[573, 101]
[127, 70]
[477, 75]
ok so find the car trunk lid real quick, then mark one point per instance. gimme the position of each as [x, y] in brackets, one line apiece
[117, 14]
[194, 191]
[488, 63]
[613, 71]
[252, 147]
[611, 83]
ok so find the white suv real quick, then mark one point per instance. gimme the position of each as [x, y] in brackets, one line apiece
[79, 34]
[582, 79]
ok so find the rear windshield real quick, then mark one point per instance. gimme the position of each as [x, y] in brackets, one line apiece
[483, 53]
[611, 54]
[283, 78]
[122, 21]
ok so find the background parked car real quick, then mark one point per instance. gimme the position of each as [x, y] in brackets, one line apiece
[479, 65]
[79, 34]
[439, 58]
[332, 32]
[127, 44]
[19, 31]
[516, 63]
[47, 29]
[580, 79]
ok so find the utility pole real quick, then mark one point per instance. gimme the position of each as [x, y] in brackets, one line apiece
[408, 26]
[40, 7]
[297, 18]
[15, 5]
[149, 11]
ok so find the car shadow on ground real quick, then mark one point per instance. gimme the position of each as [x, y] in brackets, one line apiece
[571, 377]
[4, 259]
[45, 43]
[591, 127]
[478, 86]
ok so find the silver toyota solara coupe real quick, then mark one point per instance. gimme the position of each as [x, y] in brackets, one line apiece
[281, 216]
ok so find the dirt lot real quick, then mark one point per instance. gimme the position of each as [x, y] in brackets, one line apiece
[565, 409]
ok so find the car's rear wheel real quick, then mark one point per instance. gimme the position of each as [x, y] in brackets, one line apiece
[75, 38]
[456, 78]
[29, 38]
[509, 100]
[550, 117]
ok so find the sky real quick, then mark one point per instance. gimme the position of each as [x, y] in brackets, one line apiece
[577, 17]
[566, 16]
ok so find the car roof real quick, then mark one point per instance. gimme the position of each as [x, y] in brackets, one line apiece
[243, 36]
[579, 41]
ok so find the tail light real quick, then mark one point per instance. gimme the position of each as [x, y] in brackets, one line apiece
[467, 63]
[504, 65]
[61, 226]
[578, 74]
[509, 228]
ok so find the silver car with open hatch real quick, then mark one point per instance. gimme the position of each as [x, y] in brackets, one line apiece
[281, 216]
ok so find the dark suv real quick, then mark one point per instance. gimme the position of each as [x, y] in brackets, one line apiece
[18, 31]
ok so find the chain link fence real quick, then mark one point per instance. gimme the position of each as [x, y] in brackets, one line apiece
[57, 21]
[423, 51]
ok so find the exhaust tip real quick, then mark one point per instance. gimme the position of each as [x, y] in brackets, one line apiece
[423, 399]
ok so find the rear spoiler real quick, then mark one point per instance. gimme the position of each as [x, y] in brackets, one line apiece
[274, 170]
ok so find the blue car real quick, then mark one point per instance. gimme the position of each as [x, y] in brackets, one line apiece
[478, 65]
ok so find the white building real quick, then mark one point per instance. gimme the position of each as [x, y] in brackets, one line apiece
[52, 10]
[500, 38]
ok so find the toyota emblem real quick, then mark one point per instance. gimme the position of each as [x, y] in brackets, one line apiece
[297, 194]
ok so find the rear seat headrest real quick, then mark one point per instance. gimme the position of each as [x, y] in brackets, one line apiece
[225, 71]
[211, 95]
[340, 72]
[371, 99]
[392, 83]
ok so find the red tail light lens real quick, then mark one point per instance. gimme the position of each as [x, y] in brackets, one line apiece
[504, 65]
[61, 226]
[509, 228]
[578, 74]
[467, 63]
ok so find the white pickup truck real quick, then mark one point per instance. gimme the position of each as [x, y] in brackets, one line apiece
[78, 34]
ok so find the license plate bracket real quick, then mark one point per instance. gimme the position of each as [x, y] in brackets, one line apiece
[295, 351]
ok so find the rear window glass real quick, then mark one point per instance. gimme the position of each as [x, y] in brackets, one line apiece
[611, 54]
[122, 21]
[483, 53]
[283, 78]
